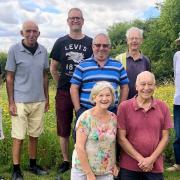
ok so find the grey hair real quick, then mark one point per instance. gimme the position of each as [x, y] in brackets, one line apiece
[145, 73]
[75, 9]
[134, 29]
[102, 34]
[99, 86]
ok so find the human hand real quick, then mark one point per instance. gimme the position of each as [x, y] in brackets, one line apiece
[115, 171]
[91, 176]
[146, 164]
[12, 109]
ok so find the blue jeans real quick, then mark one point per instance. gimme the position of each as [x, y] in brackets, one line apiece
[176, 144]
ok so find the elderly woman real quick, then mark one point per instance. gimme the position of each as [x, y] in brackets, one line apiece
[94, 154]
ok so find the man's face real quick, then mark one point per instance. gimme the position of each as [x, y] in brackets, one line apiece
[134, 40]
[30, 32]
[101, 48]
[75, 20]
[145, 86]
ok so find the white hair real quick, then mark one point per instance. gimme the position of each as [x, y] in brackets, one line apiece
[134, 29]
[99, 86]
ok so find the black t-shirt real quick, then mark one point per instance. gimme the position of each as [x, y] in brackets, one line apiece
[69, 53]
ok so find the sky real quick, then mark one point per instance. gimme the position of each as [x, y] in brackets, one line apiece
[51, 16]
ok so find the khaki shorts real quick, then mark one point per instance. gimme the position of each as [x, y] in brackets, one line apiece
[30, 118]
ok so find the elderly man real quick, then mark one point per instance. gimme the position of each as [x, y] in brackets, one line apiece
[68, 51]
[133, 60]
[100, 67]
[143, 132]
[27, 88]
[176, 145]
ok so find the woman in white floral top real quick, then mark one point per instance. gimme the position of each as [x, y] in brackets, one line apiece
[94, 154]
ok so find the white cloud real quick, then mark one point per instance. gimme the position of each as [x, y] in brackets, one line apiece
[51, 16]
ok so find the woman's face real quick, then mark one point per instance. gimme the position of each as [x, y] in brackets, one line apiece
[104, 99]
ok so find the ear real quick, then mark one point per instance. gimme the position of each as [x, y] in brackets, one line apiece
[21, 32]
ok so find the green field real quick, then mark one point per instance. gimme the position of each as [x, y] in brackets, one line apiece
[49, 155]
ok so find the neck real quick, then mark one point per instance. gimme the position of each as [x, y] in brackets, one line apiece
[76, 35]
[99, 111]
[143, 102]
[135, 54]
[28, 45]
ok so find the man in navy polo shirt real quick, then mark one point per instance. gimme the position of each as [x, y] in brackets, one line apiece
[134, 61]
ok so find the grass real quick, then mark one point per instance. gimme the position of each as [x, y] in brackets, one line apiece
[49, 154]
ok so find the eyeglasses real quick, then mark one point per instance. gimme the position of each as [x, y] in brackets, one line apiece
[102, 45]
[75, 18]
[134, 38]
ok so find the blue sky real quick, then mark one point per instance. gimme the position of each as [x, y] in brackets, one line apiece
[51, 16]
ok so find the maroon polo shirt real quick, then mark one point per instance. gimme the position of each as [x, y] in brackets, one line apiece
[143, 130]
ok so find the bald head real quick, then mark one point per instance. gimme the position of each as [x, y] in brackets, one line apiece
[29, 23]
[145, 85]
[30, 32]
[145, 75]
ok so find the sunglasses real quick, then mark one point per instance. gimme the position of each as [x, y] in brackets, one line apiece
[102, 45]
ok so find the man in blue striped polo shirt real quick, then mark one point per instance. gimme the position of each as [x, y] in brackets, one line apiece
[100, 67]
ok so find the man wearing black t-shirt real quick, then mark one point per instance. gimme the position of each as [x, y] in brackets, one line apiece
[68, 51]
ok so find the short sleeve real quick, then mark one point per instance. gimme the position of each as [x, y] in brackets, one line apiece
[167, 118]
[83, 123]
[77, 76]
[11, 62]
[46, 64]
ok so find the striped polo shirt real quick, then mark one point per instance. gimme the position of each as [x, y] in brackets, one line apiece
[88, 72]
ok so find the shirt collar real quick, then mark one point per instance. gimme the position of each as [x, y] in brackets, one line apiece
[129, 56]
[23, 49]
[136, 107]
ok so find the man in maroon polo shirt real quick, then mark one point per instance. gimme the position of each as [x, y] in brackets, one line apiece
[143, 124]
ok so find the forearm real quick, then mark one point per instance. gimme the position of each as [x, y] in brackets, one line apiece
[124, 90]
[82, 155]
[46, 85]
[10, 87]
[74, 91]
[55, 75]
[129, 149]
[54, 70]
[161, 146]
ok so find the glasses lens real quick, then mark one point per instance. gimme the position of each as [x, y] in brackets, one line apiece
[75, 18]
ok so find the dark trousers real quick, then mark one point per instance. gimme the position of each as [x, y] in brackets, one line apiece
[126, 174]
[176, 144]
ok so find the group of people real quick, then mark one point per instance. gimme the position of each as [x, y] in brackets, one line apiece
[112, 99]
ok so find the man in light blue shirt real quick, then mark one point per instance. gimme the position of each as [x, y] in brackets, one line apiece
[27, 89]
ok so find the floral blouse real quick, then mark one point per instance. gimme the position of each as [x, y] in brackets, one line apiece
[100, 144]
